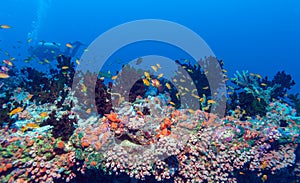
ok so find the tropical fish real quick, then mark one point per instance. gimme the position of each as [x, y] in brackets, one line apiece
[190, 70]
[259, 76]
[172, 103]
[69, 45]
[168, 86]
[146, 82]
[83, 88]
[8, 62]
[154, 68]
[182, 80]
[158, 65]
[264, 165]
[174, 80]
[77, 61]
[15, 111]
[211, 102]
[155, 82]
[43, 114]
[224, 70]
[160, 75]
[263, 84]
[205, 88]
[264, 177]
[89, 110]
[32, 125]
[147, 75]
[65, 67]
[4, 68]
[5, 26]
[3, 75]
[114, 77]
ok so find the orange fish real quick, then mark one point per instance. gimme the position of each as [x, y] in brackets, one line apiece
[69, 45]
[32, 125]
[264, 164]
[5, 27]
[43, 114]
[3, 75]
[15, 111]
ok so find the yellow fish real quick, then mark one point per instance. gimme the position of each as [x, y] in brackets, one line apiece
[168, 86]
[146, 82]
[182, 80]
[69, 45]
[155, 82]
[65, 67]
[114, 77]
[206, 108]
[3, 75]
[32, 125]
[77, 62]
[83, 88]
[147, 75]
[5, 26]
[177, 95]
[172, 103]
[158, 65]
[43, 114]
[201, 100]
[264, 178]
[205, 88]
[89, 110]
[263, 84]
[211, 102]
[174, 80]
[191, 111]
[15, 111]
[190, 70]
[196, 96]
[160, 75]
[259, 76]
[224, 70]
[154, 68]
[186, 89]
[47, 61]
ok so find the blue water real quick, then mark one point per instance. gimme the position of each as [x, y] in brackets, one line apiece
[262, 37]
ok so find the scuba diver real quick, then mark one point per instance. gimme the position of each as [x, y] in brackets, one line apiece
[48, 51]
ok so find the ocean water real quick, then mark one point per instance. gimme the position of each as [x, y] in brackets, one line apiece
[113, 91]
